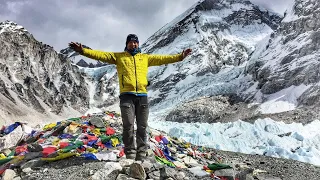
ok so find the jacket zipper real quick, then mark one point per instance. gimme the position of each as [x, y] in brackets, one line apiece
[122, 81]
[135, 71]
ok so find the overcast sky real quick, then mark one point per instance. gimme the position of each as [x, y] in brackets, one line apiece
[100, 24]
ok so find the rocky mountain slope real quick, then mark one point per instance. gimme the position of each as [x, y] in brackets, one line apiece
[35, 80]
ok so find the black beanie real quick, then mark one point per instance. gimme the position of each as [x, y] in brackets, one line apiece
[132, 37]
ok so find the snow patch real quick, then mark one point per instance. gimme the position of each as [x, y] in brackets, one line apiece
[284, 100]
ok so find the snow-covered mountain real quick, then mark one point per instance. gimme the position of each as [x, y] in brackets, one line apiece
[223, 36]
[80, 61]
[289, 58]
[247, 62]
[36, 82]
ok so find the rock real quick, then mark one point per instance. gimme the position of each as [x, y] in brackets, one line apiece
[266, 177]
[148, 166]
[150, 152]
[33, 163]
[158, 166]
[249, 177]
[198, 171]
[243, 173]
[124, 177]
[179, 164]
[91, 172]
[188, 160]
[26, 170]
[34, 147]
[154, 175]
[180, 175]
[32, 155]
[110, 171]
[45, 170]
[126, 170]
[101, 175]
[97, 122]
[137, 171]
[167, 173]
[224, 172]
[9, 174]
[126, 162]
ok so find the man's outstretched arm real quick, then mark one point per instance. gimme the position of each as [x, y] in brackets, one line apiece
[157, 60]
[93, 54]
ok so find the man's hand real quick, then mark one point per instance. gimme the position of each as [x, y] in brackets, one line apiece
[76, 47]
[186, 52]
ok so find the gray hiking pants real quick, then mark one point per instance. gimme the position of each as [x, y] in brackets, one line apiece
[134, 107]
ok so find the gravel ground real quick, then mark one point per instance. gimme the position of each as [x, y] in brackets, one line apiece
[285, 169]
[78, 169]
[74, 168]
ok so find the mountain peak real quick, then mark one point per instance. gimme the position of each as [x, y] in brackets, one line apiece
[10, 26]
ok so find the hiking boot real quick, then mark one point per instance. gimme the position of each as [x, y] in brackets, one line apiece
[141, 157]
[130, 156]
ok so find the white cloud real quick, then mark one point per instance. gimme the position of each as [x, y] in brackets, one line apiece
[99, 24]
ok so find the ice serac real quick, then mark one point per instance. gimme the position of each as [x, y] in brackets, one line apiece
[34, 78]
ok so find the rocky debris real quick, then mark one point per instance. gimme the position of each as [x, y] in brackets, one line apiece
[176, 160]
[200, 110]
[214, 109]
[232, 108]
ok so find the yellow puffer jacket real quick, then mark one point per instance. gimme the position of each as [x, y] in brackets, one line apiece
[132, 70]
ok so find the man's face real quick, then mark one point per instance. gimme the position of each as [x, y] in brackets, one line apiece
[132, 44]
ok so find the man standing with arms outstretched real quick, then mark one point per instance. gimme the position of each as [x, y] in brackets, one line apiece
[132, 67]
